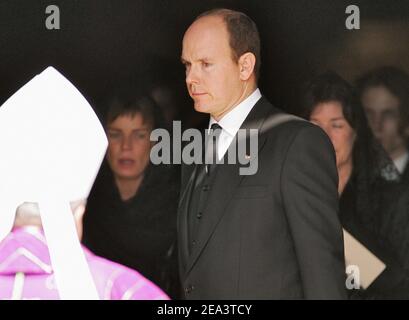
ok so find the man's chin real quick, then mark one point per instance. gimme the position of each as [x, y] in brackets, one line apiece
[199, 107]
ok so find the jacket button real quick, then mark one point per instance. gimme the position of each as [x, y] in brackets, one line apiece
[199, 215]
[189, 289]
[206, 188]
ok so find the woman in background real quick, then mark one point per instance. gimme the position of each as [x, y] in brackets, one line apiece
[131, 212]
[368, 180]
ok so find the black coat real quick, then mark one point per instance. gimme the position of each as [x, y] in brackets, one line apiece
[141, 232]
[371, 211]
[274, 234]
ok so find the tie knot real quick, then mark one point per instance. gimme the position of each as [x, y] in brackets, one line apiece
[216, 126]
[211, 146]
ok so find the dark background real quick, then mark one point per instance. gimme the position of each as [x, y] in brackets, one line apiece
[102, 44]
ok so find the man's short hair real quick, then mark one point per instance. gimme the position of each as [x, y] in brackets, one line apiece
[243, 34]
[396, 81]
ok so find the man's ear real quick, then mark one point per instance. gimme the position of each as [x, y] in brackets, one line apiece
[247, 62]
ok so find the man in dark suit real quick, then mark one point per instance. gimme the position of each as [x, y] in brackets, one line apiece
[274, 234]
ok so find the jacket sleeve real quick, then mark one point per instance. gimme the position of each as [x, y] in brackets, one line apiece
[309, 184]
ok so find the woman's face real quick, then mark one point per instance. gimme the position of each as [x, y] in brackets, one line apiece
[129, 146]
[330, 118]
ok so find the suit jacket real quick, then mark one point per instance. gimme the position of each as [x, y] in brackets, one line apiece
[405, 175]
[272, 235]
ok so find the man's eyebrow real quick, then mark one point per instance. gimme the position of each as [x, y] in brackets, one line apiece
[199, 60]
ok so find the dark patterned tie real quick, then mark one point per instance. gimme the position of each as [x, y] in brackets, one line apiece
[211, 148]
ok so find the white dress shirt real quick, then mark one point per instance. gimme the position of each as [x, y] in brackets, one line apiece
[232, 121]
[401, 162]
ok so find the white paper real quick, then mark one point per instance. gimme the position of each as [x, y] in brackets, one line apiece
[370, 267]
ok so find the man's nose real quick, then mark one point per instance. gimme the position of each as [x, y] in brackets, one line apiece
[192, 75]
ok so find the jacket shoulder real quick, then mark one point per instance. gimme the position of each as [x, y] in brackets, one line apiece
[282, 124]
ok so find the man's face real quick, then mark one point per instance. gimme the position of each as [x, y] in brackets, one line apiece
[129, 146]
[212, 77]
[382, 110]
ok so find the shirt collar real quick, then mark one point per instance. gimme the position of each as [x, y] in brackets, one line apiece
[232, 121]
[401, 162]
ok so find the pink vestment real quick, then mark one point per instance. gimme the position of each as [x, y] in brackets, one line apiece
[26, 272]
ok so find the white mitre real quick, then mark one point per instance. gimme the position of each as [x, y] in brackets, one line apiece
[52, 147]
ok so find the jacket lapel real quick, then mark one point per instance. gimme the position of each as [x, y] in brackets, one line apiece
[187, 187]
[225, 183]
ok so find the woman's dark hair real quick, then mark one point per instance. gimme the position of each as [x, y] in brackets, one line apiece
[128, 101]
[330, 87]
[371, 164]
